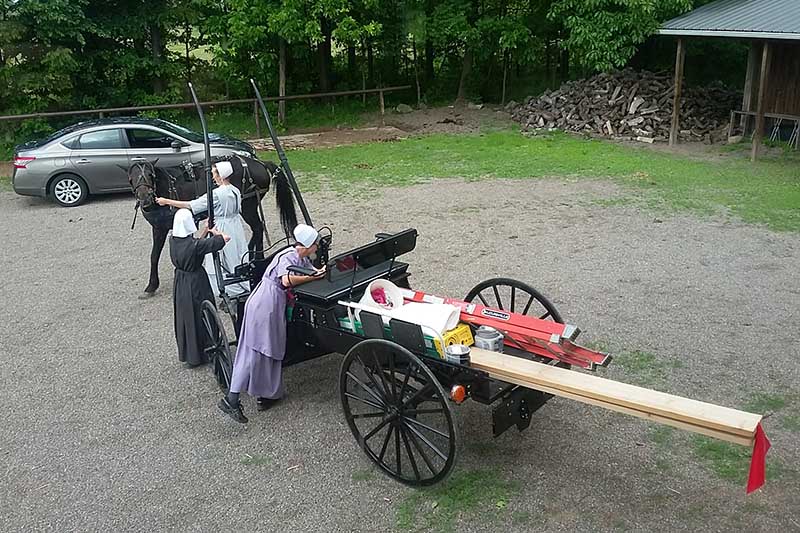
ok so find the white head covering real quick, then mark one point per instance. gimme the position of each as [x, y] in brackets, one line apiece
[224, 168]
[305, 235]
[183, 225]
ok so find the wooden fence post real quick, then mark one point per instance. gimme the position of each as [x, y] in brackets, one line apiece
[258, 119]
[380, 97]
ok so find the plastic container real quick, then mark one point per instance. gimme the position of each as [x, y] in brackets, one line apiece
[389, 295]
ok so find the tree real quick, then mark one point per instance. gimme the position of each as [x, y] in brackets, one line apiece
[604, 34]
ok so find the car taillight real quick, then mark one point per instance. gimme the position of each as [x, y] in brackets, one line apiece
[22, 162]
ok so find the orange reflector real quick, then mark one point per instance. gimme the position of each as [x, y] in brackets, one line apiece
[458, 393]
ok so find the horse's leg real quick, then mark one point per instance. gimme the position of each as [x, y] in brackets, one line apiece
[159, 238]
[250, 215]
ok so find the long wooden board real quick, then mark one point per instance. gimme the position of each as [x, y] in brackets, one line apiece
[692, 415]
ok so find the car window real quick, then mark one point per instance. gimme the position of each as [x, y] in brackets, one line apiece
[100, 140]
[72, 144]
[148, 139]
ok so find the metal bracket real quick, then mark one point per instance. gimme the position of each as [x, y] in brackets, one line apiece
[516, 409]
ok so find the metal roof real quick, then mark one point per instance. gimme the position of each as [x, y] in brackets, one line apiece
[754, 19]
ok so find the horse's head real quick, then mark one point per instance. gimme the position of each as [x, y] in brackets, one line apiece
[142, 179]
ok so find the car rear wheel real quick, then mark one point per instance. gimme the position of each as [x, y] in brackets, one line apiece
[69, 190]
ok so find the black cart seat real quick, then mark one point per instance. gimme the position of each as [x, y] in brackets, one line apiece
[349, 274]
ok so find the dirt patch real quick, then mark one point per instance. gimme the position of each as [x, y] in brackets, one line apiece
[395, 126]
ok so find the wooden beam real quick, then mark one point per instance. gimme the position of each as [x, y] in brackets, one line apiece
[680, 55]
[758, 133]
[749, 80]
[712, 420]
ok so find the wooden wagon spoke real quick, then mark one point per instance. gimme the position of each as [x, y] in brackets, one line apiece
[483, 300]
[363, 400]
[497, 296]
[411, 457]
[528, 305]
[377, 428]
[370, 391]
[431, 445]
[405, 381]
[389, 396]
[422, 453]
[392, 429]
[372, 380]
[370, 415]
[513, 297]
[415, 396]
[425, 426]
[397, 452]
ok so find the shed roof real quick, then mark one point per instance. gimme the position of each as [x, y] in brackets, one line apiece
[754, 19]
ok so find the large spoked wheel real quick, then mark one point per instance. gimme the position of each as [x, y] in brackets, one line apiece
[515, 296]
[512, 295]
[217, 347]
[398, 412]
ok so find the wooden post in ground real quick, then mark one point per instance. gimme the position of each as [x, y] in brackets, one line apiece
[749, 80]
[258, 120]
[380, 98]
[282, 83]
[758, 133]
[676, 97]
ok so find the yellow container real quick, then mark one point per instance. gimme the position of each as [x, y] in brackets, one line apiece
[460, 334]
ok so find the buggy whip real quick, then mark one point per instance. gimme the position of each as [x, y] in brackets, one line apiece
[282, 155]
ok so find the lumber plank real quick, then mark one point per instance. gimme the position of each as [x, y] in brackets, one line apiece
[729, 437]
[588, 389]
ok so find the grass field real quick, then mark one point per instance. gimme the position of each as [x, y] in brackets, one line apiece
[764, 193]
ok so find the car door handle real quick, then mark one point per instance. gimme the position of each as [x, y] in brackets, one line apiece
[139, 159]
[83, 161]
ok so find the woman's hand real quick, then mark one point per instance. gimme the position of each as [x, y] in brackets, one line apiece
[215, 231]
[319, 272]
[162, 201]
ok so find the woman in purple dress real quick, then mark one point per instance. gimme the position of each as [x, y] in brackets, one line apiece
[257, 368]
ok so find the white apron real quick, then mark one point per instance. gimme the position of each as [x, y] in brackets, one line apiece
[227, 206]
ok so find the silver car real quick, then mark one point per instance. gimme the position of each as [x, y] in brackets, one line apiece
[93, 157]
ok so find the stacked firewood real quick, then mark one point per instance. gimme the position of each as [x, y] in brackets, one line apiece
[629, 104]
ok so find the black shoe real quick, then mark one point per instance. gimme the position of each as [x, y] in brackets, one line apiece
[234, 412]
[265, 403]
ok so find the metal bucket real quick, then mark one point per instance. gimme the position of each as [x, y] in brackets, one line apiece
[457, 354]
[488, 338]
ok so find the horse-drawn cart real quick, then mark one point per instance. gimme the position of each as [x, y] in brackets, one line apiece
[397, 385]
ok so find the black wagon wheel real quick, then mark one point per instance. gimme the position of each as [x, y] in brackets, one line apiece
[398, 412]
[217, 347]
[515, 296]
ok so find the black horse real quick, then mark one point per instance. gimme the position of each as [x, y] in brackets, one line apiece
[187, 182]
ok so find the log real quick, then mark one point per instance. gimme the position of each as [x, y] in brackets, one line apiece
[692, 415]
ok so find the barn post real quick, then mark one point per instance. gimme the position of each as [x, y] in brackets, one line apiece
[676, 97]
[758, 133]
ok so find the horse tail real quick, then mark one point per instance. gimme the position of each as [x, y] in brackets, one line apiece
[284, 200]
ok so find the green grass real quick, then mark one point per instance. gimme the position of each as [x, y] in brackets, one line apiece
[5, 183]
[363, 475]
[766, 403]
[644, 368]
[764, 193]
[791, 423]
[732, 461]
[479, 494]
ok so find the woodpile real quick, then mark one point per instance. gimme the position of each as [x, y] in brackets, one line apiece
[628, 104]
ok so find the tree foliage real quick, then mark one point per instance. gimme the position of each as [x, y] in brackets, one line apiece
[66, 54]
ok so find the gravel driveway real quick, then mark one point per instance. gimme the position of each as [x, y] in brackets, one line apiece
[103, 429]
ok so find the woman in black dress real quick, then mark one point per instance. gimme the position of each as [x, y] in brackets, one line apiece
[191, 283]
